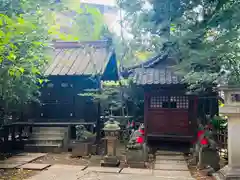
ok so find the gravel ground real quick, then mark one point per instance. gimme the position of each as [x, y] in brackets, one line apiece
[16, 174]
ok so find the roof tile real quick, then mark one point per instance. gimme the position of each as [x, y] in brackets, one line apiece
[144, 76]
[78, 60]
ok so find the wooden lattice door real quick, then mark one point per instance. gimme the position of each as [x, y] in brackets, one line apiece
[168, 115]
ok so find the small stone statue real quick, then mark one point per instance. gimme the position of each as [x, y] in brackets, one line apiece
[82, 133]
[132, 143]
[137, 151]
[207, 147]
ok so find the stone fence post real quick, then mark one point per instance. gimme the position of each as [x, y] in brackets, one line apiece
[231, 109]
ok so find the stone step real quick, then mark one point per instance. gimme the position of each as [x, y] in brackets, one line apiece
[44, 141]
[165, 157]
[48, 134]
[49, 129]
[59, 128]
[46, 138]
[169, 162]
[57, 148]
[173, 174]
[171, 167]
[168, 153]
[44, 145]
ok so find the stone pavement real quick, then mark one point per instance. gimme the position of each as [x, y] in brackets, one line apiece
[19, 159]
[167, 167]
[170, 166]
[63, 172]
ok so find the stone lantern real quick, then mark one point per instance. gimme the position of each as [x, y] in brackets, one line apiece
[231, 109]
[111, 130]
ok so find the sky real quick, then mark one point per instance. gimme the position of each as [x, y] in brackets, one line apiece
[104, 2]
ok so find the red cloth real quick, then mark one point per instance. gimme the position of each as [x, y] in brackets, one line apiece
[140, 140]
[204, 141]
[200, 133]
[141, 131]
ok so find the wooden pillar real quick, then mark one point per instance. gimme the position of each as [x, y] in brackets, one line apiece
[6, 133]
[13, 133]
[195, 115]
[98, 124]
[146, 105]
[20, 132]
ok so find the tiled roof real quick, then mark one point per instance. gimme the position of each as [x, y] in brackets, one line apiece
[72, 58]
[157, 70]
[145, 76]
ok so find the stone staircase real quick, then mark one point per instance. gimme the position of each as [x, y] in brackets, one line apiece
[47, 139]
[171, 165]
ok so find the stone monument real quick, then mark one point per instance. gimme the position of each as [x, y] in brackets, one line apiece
[111, 130]
[81, 146]
[137, 151]
[232, 110]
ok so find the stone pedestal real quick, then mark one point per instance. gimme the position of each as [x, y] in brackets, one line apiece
[208, 157]
[111, 131]
[232, 170]
[110, 159]
[232, 110]
[137, 158]
[111, 146]
[80, 149]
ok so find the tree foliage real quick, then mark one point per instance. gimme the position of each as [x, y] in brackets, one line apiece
[204, 34]
[118, 96]
[27, 29]
[24, 38]
[110, 96]
[209, 43]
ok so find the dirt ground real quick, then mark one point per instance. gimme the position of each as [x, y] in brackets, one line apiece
[16, 174]
[195, 172]
[51, 158]
[61, 158]
[94, 160]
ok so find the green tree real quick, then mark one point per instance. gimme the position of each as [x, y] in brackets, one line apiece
[204, 34]
[78, 23]
[208, 43]
[27, 29]
[24, 38]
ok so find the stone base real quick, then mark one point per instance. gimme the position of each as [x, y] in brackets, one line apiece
[94, 149]
[136, 155]
[228, 173]
[135, 164]
[208, 157]
[110, 161]
[81, 149]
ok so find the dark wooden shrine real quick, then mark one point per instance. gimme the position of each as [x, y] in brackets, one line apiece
[75, 67]
[170, 113]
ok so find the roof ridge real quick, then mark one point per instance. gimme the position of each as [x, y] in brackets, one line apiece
[151, 62]
[81, 44]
